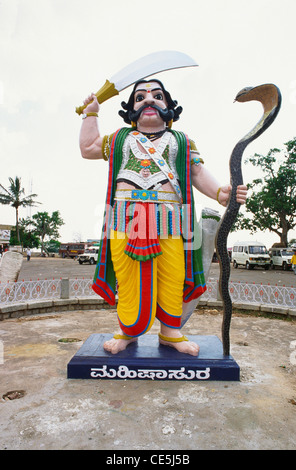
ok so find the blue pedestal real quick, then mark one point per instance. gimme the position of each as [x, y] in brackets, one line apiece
[148, 360]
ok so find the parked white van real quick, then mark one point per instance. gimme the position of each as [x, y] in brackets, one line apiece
[250, 254]
[281, 257]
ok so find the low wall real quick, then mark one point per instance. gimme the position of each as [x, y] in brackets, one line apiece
[20, 309]
[43, 296]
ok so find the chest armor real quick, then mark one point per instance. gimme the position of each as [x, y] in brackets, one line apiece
[139, 169]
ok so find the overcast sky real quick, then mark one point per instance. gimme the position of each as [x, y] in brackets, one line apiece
[53, 53]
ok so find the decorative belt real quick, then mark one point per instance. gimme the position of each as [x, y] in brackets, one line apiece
[149, 195]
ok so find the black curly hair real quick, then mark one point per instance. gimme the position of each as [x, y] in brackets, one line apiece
[171, 113]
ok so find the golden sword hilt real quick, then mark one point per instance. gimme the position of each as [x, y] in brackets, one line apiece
[107, 91]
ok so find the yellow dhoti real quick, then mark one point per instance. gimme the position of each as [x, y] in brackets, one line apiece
[148, 289]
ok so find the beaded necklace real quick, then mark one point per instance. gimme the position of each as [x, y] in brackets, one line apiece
[153, 135]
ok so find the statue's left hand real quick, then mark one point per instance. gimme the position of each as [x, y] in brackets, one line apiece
[224, 194]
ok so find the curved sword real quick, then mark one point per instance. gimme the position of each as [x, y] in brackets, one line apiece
[140, 69]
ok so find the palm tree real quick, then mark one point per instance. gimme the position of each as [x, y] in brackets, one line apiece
[15, 196]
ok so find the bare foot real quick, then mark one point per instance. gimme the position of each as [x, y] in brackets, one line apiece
[178, 341]
[117, 344]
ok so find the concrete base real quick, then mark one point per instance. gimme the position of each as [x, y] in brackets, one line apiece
[147, 359]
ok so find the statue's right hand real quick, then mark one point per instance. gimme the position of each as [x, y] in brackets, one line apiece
[91, 103]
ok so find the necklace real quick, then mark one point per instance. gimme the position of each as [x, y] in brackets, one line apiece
[153, 135]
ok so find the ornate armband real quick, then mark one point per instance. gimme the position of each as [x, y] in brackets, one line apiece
[195, 155]
[106, 146]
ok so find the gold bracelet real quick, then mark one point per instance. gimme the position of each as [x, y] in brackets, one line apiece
[217, 197]
[84, 116]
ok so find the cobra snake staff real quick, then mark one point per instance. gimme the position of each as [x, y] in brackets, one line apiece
[270, 97]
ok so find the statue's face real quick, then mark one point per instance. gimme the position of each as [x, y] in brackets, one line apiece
[149, 95]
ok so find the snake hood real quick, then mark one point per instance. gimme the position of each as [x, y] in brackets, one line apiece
[268, 94]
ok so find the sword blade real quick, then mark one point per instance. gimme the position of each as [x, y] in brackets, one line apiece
[150, 65]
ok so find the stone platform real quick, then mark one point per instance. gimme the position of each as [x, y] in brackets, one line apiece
[147, 359]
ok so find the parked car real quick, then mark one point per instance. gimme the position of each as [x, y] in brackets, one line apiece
[281, 257]
[250, 254]
[89, 256]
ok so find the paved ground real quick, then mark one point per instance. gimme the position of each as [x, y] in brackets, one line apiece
[259, 412]
[48, 268]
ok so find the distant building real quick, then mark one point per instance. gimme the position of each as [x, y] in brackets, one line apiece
[5, 231]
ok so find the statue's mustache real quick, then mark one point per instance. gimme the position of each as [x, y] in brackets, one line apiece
[165, 114]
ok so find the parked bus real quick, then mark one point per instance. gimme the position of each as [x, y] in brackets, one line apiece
[71, 250]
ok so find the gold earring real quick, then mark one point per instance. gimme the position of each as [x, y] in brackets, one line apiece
[133, 124]
[170, 123]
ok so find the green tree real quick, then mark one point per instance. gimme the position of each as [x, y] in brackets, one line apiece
[52, 246]
[15, 196]
[272, 203]
[46, 225]
[27, 237]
